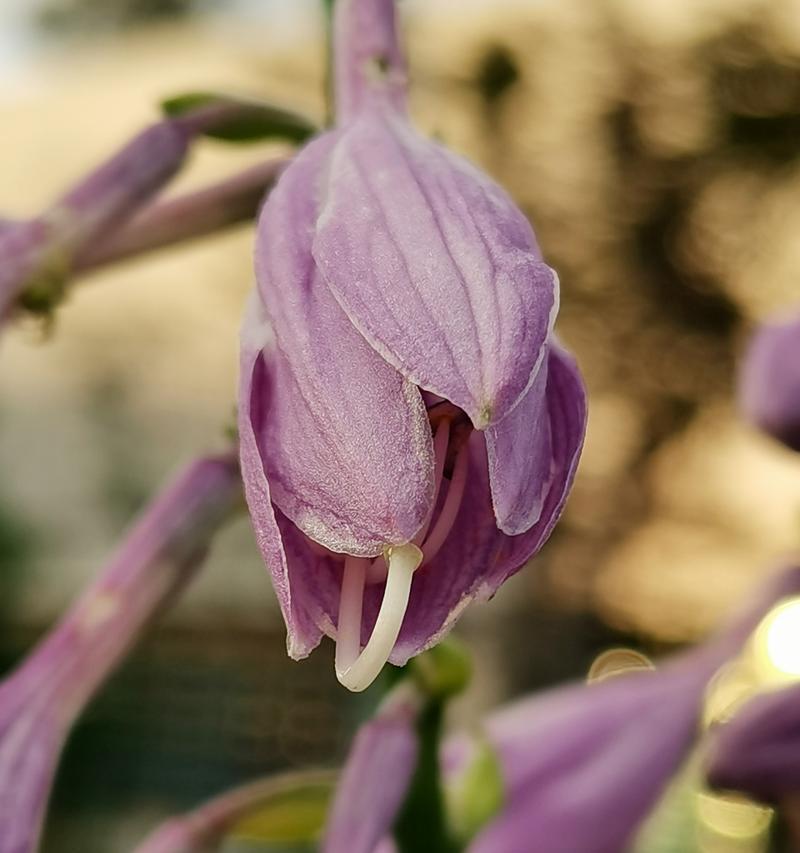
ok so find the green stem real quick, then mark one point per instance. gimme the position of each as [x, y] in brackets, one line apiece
[422, 826]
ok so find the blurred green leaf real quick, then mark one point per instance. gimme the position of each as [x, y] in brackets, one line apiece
[478, 795]
[243, 120]
[293, 812]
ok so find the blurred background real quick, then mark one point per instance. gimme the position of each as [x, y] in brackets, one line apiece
[654, 146]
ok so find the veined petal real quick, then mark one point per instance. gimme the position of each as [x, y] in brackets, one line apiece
[477, 557]
[520, 452]
[303, 633]
[436, 266]
[566, 407]
[345, 438]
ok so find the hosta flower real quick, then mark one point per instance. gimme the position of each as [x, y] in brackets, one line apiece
[38, 254]
[769, 390]
[581, 766]
[40, 700]
[758, 751]
[409, 425]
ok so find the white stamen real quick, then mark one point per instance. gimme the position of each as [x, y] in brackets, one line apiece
[452, 503]
[351, 600]
[357, 671]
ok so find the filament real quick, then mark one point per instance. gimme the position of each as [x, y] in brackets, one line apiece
[452, 503]
[351, 602]
[355, 670]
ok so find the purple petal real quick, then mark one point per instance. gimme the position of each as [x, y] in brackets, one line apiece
[344, 437]
[758, 751]
[436, 266]
[520, 452]
[769, 389]
[42, 697]
[584, 765]
[303, 633]
[566, 405]
[376, 777]
[477, 558]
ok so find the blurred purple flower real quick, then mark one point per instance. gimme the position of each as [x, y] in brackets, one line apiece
[769, 388]
[39, 253]
[758, 751]
[383, 754]
[582, 765]
[405, 411]
[40, 700]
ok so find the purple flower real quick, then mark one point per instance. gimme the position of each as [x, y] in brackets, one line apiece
[39, 253]
[387, 741]
[409, 426]
[582, 765]
[769, 389]
[40, 700]
[758, 751]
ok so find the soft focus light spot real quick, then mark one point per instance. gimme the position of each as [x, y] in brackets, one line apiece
[732, 686]
[777, 644]
[616, 662]
[731, 823]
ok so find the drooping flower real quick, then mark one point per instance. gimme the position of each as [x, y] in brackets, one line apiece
[409, 425]
[769, 388]
[582, 766]
[40, 700]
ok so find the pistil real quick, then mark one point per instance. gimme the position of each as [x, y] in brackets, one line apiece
[355, 670]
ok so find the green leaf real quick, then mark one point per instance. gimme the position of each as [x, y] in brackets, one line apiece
[243, 120]
[293, 812]
[478, 795]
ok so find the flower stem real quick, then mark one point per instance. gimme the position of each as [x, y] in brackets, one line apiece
[369, 64]
[421, 826]
[185, 217]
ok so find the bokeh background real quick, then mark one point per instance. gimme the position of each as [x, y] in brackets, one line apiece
[655, 146]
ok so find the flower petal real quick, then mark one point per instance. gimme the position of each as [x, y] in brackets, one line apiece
[345, 438]
[436, 266]
[769, 383]
[376, 778]
[758, 751]
[520, 452]
[566, 407]
[476, 557]
[583, 765]
[303, 635]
